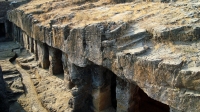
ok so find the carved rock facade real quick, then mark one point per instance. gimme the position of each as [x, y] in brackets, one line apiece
[108, 65]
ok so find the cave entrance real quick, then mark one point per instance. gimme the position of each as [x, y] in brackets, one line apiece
[43, 54]
[147, 104]
[56, 65]
[2, 30]
[130, 98]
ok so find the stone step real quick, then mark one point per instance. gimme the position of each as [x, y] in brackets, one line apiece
[25, 60]
[132, 33]
[135, 51]
[14, 71]
[133, 38]
[113, 34]
[17, 91]
[28, 66]
[11, 77]
[109, 43]
[131, 43]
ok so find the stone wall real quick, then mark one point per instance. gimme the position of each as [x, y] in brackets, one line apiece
[4, 7]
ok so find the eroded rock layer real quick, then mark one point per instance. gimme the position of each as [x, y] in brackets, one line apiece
[109, 61]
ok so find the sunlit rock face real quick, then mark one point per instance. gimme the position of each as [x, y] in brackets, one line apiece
[122, 61]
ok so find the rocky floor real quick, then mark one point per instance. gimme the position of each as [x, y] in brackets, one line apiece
[29, 88]
[11, 75]
[50, 90]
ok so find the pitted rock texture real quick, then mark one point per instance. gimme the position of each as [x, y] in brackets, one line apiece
[152, 45]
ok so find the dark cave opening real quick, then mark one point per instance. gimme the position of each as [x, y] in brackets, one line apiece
[147, 104]
[2, 30]
[113, 91]
[59, 66]
[46, 56]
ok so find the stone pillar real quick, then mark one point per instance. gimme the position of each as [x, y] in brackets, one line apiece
[15, 33]
[31, 45]
[43, 55]
[101, 88]
[21, 40]
[18, 34]
[126, 95]
[25, 40]
[6, 28]
[9, 28]
[55, 56]
[35, 49]
[81, 77]
[67, 78]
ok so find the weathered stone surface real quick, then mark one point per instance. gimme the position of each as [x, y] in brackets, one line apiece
[157, 55]
[93, 38]
[81, 92]
[177, 33]
[4, 6]
[59, 35]
[75, 47]
[124, 93]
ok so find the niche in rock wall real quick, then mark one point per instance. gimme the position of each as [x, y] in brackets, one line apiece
[2, 30]
[43, 54]
[147, 104]
[56, 66]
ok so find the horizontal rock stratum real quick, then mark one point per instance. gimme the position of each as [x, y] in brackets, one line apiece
[149, 45]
